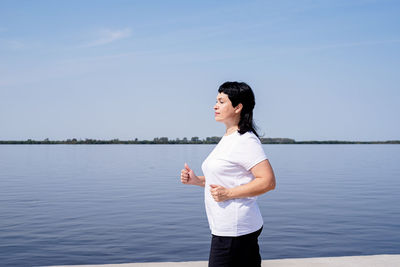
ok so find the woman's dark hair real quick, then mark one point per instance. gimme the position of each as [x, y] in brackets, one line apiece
[240, 92]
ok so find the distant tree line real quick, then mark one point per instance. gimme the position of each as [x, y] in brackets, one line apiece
[193, 140]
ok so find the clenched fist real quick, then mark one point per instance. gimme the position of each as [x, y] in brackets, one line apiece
[219, 193]
[188, 176]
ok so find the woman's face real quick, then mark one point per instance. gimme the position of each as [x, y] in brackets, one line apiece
[223, 108]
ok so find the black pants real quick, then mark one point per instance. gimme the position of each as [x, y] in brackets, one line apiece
[239, 251]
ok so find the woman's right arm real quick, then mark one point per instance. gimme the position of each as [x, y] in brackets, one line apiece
[202, 181]
[188, 177]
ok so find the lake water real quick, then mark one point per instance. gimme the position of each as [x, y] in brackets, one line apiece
[98, 204]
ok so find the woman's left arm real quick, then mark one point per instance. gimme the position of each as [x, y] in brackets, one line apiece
[264, 181]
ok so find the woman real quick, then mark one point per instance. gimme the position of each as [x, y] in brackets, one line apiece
[235, 172]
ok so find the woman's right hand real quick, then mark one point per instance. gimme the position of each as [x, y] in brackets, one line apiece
[188, 176]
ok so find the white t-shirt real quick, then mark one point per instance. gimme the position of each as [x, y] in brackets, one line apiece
[229, 165]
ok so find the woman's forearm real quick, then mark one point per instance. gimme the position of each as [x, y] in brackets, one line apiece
[256, 187]
[264, 181]
[201, 181]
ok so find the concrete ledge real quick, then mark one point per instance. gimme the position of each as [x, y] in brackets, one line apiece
[351, 261]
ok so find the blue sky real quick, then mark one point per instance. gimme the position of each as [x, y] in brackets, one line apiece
[320, 70]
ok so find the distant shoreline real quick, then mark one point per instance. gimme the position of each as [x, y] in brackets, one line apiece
[184, 141]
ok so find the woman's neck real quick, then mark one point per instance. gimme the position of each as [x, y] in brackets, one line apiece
[231, 129]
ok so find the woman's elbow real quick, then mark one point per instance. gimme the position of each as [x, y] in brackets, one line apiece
[267, 188]
[271, 184]
[271, 187]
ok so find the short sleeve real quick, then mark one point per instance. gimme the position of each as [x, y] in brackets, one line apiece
[248, 151]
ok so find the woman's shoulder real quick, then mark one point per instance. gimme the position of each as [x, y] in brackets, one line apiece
[248, 138]
[249, 135]
[247, 150]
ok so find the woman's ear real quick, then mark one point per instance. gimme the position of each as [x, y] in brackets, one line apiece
[238, 108]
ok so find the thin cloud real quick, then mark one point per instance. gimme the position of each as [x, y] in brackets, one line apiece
[355, 44]
[333, 46]
[107, 36]
[12, 44]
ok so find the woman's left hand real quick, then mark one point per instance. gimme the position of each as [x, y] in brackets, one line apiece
[219, 193]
